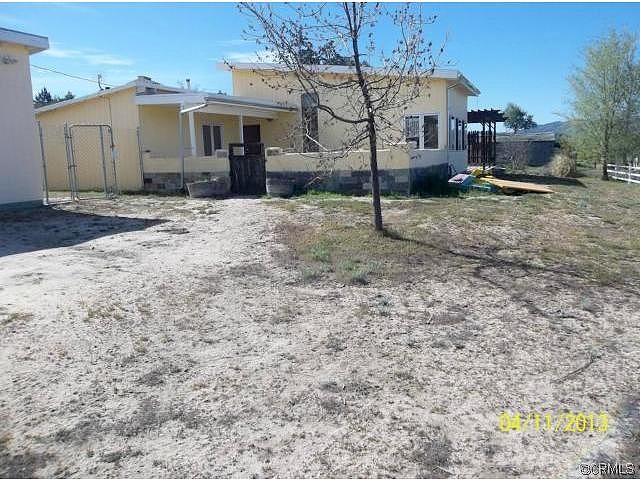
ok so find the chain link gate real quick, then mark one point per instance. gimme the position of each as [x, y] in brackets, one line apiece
[78, 162]
[91, 160]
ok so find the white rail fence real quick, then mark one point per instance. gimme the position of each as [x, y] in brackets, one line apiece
[626, 173]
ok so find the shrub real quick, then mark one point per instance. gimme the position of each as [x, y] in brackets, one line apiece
[563, 166]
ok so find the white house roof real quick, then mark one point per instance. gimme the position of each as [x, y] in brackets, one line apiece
[210, 103]
[140, 82]
[35, 43]
[443, 73]
[203, 97]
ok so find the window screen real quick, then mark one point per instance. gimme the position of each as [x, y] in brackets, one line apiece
[430, 133]
[452, 133]
[464, 135]
[217, 137]
[412, 129]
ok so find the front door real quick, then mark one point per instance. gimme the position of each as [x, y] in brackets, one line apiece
[251, 133]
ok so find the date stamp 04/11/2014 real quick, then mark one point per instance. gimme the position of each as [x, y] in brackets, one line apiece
[564, 422]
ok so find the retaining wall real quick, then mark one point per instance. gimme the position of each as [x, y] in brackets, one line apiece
[402, 171]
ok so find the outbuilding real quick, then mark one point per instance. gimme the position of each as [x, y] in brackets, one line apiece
[20, 157]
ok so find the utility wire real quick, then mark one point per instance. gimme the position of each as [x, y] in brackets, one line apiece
[71, 76]
[101, 83]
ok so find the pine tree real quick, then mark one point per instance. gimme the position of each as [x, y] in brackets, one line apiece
[42, 98]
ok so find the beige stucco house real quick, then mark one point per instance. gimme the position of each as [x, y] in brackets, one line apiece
[20, 164]
[165, 135]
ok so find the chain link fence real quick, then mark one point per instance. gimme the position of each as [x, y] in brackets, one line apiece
[79, 161]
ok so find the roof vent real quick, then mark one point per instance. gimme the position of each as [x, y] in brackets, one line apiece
[144, 85]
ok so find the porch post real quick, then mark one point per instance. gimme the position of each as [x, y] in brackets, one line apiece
[192, 135]
[240, 122]
[181, 136]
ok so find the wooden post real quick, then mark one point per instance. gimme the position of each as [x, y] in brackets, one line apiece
[494, 150]
[483, 149]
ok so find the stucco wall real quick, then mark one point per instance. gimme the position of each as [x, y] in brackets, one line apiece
[458, 103]
[159, 131]
[388, 159]
[258, 84]
[20, 164]
[457, 100]
[191, 164]
[118, 110]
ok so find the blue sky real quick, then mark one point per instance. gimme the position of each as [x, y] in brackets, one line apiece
[512, 52]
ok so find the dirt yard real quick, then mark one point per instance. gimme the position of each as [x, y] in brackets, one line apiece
[163, 337]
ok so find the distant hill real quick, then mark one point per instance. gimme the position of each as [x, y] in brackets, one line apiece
[553, 127]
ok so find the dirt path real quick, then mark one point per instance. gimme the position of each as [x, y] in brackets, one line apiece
[107, 343]
[172, 342]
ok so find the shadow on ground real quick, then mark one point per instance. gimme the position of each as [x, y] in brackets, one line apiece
[38, 229]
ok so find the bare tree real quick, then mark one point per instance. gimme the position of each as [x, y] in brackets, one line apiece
[368, 102]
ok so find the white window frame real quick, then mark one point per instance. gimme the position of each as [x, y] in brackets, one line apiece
[213, 143]
[421, 116]
[452, 132]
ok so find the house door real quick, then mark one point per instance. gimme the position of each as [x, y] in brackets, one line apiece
[251, 133]
[211, 139]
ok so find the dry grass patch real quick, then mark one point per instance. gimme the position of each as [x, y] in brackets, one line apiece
[587, 232]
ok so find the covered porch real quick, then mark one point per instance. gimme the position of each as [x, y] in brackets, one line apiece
[185, 137]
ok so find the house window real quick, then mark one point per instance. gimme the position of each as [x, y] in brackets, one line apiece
[430, 131]
[422, 129]
[464, 135]
[452, 133]
[457, 134]
[309, 103]
[412, 129]
[211, 139]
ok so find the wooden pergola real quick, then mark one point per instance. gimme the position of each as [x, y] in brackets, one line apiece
[482, 144]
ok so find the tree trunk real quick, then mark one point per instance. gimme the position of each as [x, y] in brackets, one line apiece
[375, 182]
[605, 174]
[605, 156]
[354, 28]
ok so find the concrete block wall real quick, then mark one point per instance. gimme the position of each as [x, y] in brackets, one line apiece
[352, 182]
[399, 173]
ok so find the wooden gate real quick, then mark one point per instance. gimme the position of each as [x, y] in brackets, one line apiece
[248, 168]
